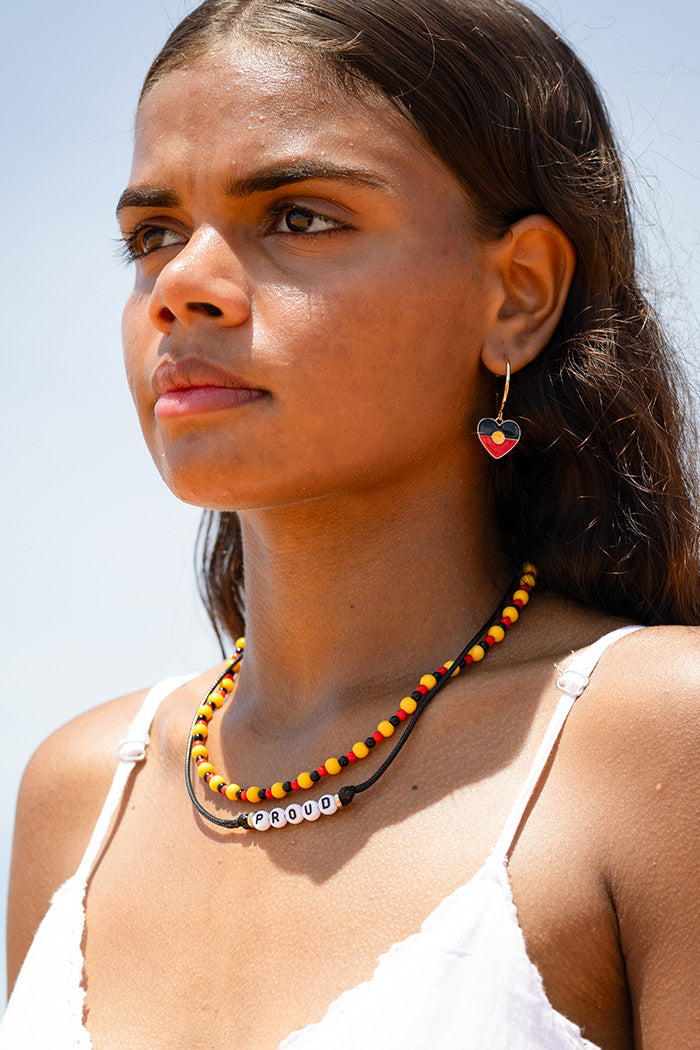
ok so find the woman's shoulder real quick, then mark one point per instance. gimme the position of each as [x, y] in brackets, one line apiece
[649, 679]
[61, 795]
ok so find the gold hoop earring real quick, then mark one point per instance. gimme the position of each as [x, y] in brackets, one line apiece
[499, 436]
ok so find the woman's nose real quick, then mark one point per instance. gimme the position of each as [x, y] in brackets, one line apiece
[205, 281]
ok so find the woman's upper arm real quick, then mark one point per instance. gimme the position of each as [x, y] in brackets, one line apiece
[62, 791]
[657, 883]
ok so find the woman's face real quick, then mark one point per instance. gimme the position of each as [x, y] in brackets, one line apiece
[306, 313]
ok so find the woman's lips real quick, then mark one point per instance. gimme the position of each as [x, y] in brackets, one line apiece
[194, 399]
[192, 386]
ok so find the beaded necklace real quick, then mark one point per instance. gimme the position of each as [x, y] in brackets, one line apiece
[409, 711]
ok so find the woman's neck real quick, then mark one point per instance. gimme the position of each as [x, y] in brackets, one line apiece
[347, 597]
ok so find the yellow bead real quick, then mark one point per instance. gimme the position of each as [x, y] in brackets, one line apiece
[527, 578]
[522, 596]
[477, 653]
[428, 680]
[408, 704]
[277, 790]
[203, 730]
[385, 728]
[199, 751]
[204, 712]
[253, 794]
[511, 612]
[304, 781]
[448, 665]
[215, 781]
[240, 643]
[497, 633]
[530, 568]
[231, 790]
[216, 699]
[332, 766]
[227, 683]
[203, 768]
[360, 749]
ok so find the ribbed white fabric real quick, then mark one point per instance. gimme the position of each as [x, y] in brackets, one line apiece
[464, 982]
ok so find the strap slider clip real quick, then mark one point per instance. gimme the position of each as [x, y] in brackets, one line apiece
[571, 681]
[133, 750]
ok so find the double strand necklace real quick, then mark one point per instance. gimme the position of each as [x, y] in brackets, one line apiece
[407, 714]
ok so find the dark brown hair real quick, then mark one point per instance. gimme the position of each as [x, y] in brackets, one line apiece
[598, 493]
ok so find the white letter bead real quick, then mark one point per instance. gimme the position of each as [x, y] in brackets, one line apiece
[327, 805]
[277, 817]
[260, 820]
[294, 814]
[311, 810]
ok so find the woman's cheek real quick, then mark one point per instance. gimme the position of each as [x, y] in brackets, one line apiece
[134, 324]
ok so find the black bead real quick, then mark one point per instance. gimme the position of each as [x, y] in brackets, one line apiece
[315, 775]
[287, 785]
[485, 646]
[417, 696]
[395, 721]
[343, 760]
[370, 742]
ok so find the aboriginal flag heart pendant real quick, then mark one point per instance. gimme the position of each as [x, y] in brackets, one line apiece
[498, 436]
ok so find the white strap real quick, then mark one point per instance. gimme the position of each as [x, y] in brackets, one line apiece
[572, 683]
[131, 750]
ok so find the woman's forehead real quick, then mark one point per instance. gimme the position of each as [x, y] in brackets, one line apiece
[246, 108]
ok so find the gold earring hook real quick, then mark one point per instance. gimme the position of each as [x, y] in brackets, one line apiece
[506, 388]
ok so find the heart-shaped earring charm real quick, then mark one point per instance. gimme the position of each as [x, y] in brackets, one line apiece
[498, 436]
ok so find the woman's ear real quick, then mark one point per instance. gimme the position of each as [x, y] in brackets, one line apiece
[530, 271]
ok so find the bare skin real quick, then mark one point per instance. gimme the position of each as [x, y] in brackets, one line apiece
[365, 343]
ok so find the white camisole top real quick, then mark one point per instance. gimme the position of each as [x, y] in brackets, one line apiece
[463, 982]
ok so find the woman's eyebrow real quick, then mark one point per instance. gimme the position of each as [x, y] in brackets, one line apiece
[258, 182]
[147, 197]
[283, 175]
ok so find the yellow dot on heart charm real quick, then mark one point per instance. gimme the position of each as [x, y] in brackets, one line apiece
[498, 437]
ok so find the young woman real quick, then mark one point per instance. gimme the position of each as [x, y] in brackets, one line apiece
[385, 328]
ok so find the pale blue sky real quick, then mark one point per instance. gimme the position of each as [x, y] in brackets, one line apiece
[97, 554]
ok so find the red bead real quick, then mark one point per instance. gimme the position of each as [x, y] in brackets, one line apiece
[295, 785]
[268, 793]
[518, 603]
[351, 756]
[376, 735]
[525, 587]
[468, 659]
[322, 771]
[401, 714]
[244, 795]
[490, 640]
[422, 689]
[441, 671]
[506, 621]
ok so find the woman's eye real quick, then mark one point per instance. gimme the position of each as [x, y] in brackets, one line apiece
[146, 239]
[295, 219]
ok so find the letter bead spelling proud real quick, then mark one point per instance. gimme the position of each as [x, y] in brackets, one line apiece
[262, 820]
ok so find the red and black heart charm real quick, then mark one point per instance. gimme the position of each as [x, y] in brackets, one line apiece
[498, 436]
